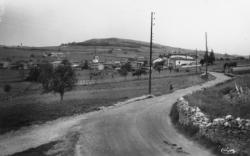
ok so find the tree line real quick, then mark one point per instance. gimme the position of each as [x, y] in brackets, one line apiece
[208, 58]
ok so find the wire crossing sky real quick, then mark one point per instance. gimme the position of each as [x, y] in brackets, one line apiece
[178, 23]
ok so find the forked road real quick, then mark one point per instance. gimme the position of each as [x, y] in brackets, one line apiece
[140, 128]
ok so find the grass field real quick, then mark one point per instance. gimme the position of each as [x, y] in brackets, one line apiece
[32, 107]
[214, 103]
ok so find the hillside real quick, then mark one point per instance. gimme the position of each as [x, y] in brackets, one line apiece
[107, 48]
[124, 44]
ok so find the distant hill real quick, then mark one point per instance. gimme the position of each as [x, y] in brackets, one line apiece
[115, 42]
[138, 46]
[126, 43]
[106, 48]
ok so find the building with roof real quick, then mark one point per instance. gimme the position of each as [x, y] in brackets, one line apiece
[180, 60]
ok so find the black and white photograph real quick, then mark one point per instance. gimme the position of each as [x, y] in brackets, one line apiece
[124, 78]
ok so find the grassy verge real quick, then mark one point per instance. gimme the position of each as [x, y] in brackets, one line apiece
[213, 101]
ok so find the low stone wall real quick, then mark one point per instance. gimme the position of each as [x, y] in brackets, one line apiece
[232, 133]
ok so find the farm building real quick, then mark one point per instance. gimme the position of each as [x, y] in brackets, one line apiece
[4, 64]
[180, 60]
[96, 64]
[160, 59]
[56, 63]
[57, 54]
[95, 59]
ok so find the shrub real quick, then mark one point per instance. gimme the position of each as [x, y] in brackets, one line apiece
[34, 74]
[226, 90]
[7, 88]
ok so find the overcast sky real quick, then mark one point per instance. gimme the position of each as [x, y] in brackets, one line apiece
[178, 23]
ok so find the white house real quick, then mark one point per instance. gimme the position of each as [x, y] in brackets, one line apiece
[4, 64]
[181, 59]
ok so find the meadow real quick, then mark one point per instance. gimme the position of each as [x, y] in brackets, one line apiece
[32, 107]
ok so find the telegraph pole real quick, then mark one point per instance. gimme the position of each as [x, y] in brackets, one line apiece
[150, 57]
[196, 60]
[206, 52]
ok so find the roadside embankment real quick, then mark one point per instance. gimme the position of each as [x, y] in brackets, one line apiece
[227, 134]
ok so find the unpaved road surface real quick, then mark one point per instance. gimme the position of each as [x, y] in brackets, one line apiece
[138, 128]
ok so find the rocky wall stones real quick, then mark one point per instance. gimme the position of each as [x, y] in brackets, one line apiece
[232, 133]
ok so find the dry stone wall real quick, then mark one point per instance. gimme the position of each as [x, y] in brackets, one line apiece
[232, 133]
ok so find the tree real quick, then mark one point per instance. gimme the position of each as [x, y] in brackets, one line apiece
[127, 66]
[7, 88]
[139, 72]
[125, 69]
[32, 55]
[34, 74]
[145, 63]
[123, 72]
[159, 66]
[202, 62]
[59, 79]
[211, 58]
[170, 68]
[85, 65]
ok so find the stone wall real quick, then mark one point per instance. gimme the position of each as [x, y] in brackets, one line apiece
[232, 133]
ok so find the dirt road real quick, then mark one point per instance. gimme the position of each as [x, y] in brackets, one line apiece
[138, 128]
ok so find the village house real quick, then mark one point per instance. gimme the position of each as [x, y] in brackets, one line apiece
[4, 64]
[180, 60]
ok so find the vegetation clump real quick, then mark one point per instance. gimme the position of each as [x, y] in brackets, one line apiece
[57, 79]
[7, 88]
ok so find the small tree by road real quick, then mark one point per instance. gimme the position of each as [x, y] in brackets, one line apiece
[59, 79]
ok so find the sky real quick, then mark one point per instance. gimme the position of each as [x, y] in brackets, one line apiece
[178, 23]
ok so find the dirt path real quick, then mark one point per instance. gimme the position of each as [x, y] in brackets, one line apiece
[139, 128]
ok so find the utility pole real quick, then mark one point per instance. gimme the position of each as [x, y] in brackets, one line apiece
[206, 55]
[196, 60]
[150, 57]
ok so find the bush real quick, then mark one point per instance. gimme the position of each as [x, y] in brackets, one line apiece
[226, 90]
[123, 72]
[34, 74]
[85, 65]
[7, 88]
[187, 70]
